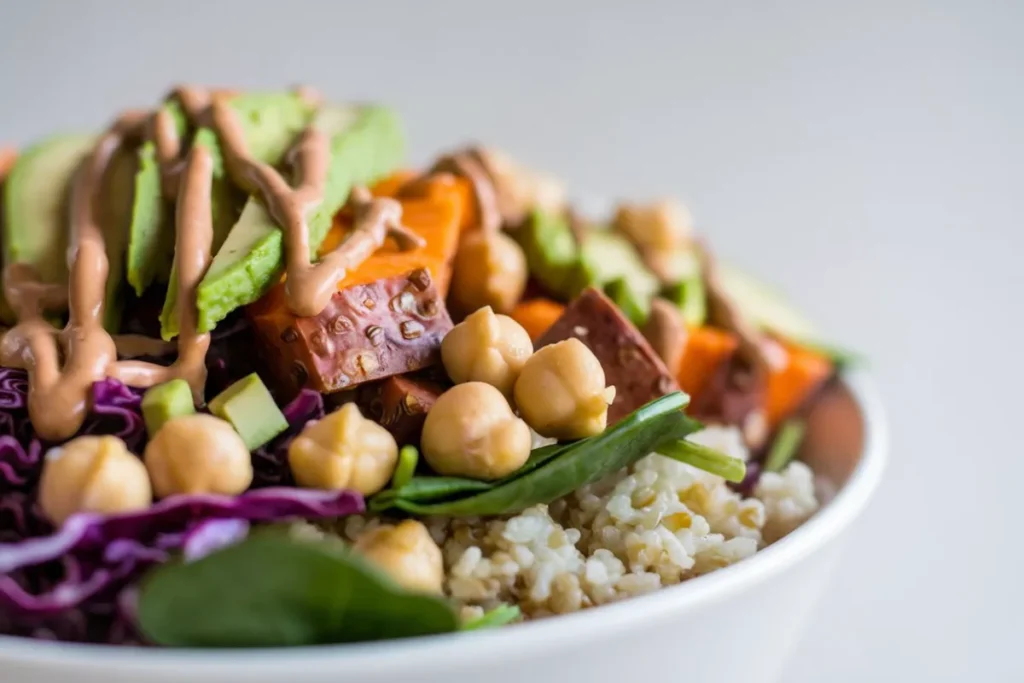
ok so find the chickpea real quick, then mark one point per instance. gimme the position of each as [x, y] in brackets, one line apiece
[561, 393]
[472, 432]
[198, 453]
[489, 270]
[665, 225]
[406, 553]
[521, 189]
[92, 474]
[486, 348]
[344, 451]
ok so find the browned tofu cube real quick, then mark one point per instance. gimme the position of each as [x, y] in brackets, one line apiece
[629, 362]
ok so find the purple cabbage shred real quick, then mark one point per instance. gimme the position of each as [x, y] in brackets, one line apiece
[78, 583]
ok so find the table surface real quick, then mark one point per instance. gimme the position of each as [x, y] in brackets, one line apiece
[868, 158]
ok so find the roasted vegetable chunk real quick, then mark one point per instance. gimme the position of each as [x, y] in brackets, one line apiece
[369, 331]
[629, 363]
[400, 404]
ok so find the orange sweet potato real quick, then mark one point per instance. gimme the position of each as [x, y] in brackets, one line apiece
[389, 186]
[707, 349]
[436, 215]
[537, 316]
[388, 315]
[789, 387]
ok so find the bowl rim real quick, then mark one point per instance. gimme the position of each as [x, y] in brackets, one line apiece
[414, 654]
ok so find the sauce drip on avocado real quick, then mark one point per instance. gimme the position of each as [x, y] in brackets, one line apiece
[63, 365]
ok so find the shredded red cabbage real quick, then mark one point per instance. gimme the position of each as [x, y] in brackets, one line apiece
[91, 559]
[270, 463]
[77, 583]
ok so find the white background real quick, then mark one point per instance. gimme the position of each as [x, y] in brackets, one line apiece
[868, 157]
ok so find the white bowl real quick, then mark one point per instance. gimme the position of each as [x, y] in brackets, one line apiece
[735, 624]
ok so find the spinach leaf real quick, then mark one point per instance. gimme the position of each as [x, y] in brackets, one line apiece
[272, 591]
[499, 616]
[428, 489]
[573, 465]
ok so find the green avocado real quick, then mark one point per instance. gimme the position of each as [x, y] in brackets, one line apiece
[366, 144]
[151, 234]
[271, 122]
[251, 410]
[115, 217]
[552, 254]
[36, 194]
[607, 256]
[164, 402]
[632, 303]
[691, 298]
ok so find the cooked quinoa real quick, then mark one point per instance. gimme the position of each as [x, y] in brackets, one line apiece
[656, 524]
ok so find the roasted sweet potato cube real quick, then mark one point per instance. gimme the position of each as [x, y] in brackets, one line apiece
[629, 362]
[368, 331]
[388, 316]
[400, 403]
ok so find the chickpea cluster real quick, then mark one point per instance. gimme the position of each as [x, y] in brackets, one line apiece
[191, 454]
[472, 429]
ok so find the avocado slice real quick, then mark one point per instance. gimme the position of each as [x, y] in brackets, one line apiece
[607, 256]
[551, 251]
[35, 203]
[151, 234]
[115, 217]
[764, 306]
[164, 402]
[632, 303]
[366, 144]
[251, 410]
[691, 298]
[271, 122]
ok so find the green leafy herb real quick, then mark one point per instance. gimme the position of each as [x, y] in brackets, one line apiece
[559, 470]
[408, 458]
[786, 444]
[430, 489]
[272, 591]
[707, 459]
[499, 616]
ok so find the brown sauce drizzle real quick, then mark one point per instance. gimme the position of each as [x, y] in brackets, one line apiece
[467, 164]
[195, 102]
[137, 345]
[309, 286]
[194, 237]
[63, 365]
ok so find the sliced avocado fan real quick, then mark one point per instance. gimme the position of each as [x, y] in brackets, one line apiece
[271, 122]
[366, 143]
[151, 233]
[36, 193]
